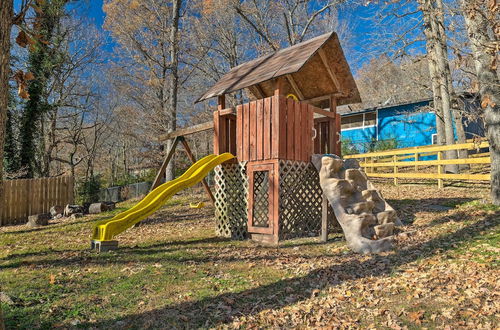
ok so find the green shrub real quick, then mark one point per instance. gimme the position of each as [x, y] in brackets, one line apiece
[347, 147]
[382, 145]
[88, 191]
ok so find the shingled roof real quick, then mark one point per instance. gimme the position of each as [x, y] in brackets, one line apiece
[316, 68]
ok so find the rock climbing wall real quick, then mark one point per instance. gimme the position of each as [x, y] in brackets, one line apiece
[365, 217]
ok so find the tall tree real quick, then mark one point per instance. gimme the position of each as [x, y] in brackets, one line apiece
[483, 26]
[436, 39]
[174, 84]
[145, 31]
[6, 21]
[42, 59]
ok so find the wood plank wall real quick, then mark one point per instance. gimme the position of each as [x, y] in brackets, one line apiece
[274, 128]
[26, 197]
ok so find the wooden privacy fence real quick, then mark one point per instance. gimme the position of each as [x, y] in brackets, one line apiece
[386, 164]
[25, 197]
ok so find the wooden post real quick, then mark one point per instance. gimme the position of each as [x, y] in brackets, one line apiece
[163, 167]
[221, 102]
[416, 160]
[338, 132]
[440, 170]
[324, 219]
[395, 159]
[193, 160]
[332, 134]
[278, 86]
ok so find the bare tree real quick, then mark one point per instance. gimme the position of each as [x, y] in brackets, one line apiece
[148, 33]
[483, 27]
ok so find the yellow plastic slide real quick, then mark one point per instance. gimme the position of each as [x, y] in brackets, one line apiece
[105, 230]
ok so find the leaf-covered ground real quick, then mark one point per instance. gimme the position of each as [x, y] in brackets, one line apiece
[173, 272]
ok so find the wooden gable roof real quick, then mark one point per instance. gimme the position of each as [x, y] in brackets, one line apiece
[315, 69]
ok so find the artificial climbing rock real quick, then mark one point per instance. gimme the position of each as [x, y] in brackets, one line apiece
[365, 217]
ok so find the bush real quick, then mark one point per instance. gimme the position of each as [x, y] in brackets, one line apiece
[382, 145]
[347, 147]
[88, 191]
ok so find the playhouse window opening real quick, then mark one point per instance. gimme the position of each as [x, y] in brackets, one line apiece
[362, 120]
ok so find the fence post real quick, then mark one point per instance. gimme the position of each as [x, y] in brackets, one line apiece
[440, 170]
[416, 160]
[395, 159]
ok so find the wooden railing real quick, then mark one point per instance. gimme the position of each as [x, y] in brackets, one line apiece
[25, 197]
[410, 157]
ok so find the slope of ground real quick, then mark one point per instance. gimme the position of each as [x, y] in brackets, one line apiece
[173, 272]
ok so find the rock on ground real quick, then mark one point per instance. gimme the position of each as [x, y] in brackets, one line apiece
[56, 210]
[38, 220]
[72, 209]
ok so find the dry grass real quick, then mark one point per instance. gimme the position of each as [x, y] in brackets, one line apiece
[173, 272]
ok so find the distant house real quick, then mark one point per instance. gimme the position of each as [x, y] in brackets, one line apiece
[402, 125]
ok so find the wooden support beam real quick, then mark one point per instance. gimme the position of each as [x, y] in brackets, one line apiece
[325, 97]
[278, 86]
[324, 219]
[228, 111]
[163, 167]
[335, 81]
[324, 113]
[221, 102]
[257, 91]
[332, 130]
[187, 131]
[295, 87]
[193, 160]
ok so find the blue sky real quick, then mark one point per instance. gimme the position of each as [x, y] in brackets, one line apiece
[358, 17]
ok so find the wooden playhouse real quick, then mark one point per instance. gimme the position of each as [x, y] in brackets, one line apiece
[271, 191]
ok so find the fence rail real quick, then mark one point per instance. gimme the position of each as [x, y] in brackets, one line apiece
[407, 157]
[24, 197]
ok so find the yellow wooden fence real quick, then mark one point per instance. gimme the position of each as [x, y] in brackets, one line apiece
[408, 157]
[24, 197]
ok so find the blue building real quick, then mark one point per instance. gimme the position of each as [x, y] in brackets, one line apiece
[400, 126]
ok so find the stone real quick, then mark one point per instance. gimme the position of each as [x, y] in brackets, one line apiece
[96, 208]
[384, 230]
[76, 216]
[38, 220]
[4, 298]
[103, 246]
[56, 210]
[71, 209]
[110, 206]
[59, 216]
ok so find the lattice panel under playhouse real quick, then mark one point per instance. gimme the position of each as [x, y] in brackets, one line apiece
[231, 188]
[300, 200]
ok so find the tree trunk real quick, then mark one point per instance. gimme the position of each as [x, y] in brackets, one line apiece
[484, 53]
[442, 65]
[431, 60]
[173, 90]
[6, 16]
[456, 113]
[439, 54]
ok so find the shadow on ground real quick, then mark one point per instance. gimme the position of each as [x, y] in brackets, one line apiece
[212, 311]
